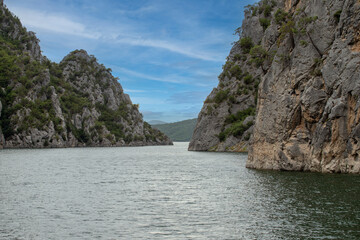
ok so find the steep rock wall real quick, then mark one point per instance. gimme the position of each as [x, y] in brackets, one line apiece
[306, 56]
[308, 112]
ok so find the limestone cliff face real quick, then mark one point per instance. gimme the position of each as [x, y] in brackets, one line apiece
[308, 110]
[71, 104]
[306, 54]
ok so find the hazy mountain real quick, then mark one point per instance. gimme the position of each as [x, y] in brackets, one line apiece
[178, 131]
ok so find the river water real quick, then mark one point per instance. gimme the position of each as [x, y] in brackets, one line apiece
[166, 192]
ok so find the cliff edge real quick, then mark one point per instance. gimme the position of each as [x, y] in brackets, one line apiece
[306, 56]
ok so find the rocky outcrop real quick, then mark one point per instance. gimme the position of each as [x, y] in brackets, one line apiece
[74, 103]
[226, 119]
[306, 55]
[308, 112]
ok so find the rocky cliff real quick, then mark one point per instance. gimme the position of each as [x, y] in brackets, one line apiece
[307, 58]
[74, 103]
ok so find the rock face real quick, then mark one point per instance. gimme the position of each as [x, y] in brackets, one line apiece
[75, 103]
[225, 122]
[308, 58]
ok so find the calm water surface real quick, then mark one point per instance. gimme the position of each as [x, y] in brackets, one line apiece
[168, 193]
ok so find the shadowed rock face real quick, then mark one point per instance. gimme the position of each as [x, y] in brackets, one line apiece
[71, 104]
[307, 112]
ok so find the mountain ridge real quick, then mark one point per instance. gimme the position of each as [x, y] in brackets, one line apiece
[75, 103]
[178, 131]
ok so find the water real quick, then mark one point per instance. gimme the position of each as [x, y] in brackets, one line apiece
[168, 193]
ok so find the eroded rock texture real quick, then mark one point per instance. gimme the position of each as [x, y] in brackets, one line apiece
[308, 110]
[306, 55]
[71, 104]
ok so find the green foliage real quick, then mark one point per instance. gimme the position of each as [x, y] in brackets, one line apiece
[151, 134]
[222, 136]
[221, 96]
[80, 134]
[236, 71]
[304, 43]
[41, 113]
[209, 110]
[237, 57]
[178, 131]
[258, 55]
[9, 69]
[232, 99]
[248, 79]
[240, 115]
[236, 129]
[286, 28]
[227, 66]
[283, 58]
[264, 22]
[267, 10]
[337, 15]
[304, 22]
[280, 16]
[246, 44]
[74, 103]
[112, 119]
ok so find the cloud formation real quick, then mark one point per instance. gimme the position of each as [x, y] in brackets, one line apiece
[167, 54]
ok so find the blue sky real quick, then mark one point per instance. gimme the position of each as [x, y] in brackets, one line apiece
[167, 53]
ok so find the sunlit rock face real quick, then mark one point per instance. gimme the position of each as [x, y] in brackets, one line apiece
[306, 57]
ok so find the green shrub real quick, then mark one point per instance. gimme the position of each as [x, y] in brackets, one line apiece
[264, 22]
[236, 71]
[232, 99]
[240, 115]
[111, 119]
[237, 57]
[286, 28]
[246, 44]
[267, 10]
[222, 136]
[248, 79]
[226, 67]
[221, 96]
[280, 16]
[304, 43]
[209, 110]
[337, 15]
[258, 55]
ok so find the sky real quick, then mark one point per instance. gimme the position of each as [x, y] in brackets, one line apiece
[166, 53]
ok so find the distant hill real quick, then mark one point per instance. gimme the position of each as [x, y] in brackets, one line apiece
[156, 122]
[178, 131]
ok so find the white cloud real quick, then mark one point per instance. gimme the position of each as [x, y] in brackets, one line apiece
[53, 23]
[167, 45]
[57, 23]
[133, 91]
[168, 79]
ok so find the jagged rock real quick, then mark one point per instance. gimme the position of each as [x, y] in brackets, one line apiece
[71, 104]
[307, 57]
[318, 135]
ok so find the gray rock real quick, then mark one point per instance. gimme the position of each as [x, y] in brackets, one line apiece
[307, 115]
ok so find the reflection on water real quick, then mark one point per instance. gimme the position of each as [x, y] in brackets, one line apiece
[168, 193]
